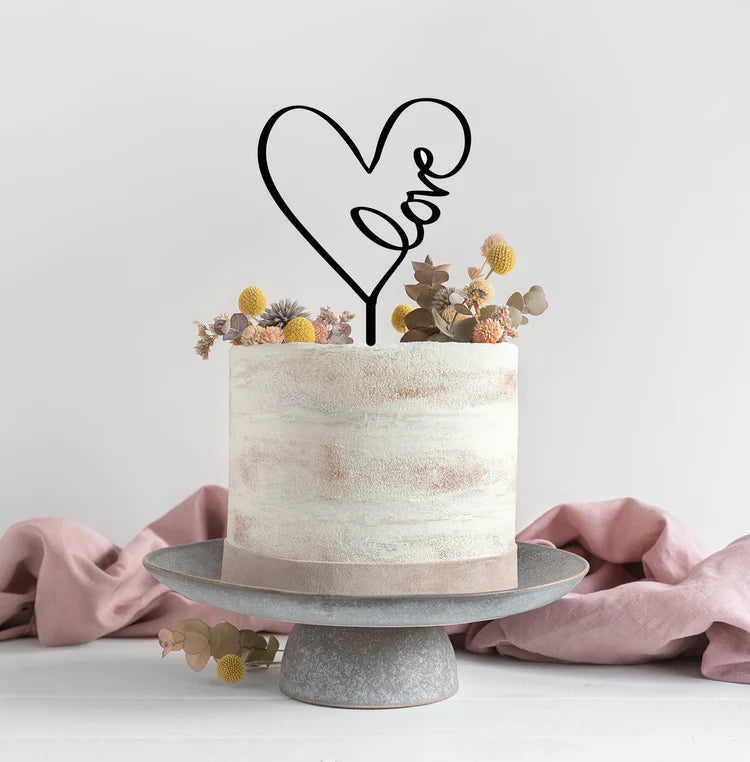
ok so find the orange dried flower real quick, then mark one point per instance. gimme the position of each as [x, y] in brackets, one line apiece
[272, 335]
[487, 332]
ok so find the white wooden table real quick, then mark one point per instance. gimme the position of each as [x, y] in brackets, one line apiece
[117, 700]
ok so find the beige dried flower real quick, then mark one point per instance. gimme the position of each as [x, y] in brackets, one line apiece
[206, 340]
[478, 293]
[441, 301]
[502, 315]
[321, 332]
[492, 240]
[272, 335]
[327, 317]
[251, 335]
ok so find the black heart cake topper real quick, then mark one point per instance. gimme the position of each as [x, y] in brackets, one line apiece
[415, 199]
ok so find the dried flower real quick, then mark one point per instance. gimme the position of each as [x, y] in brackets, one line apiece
[327, 317]
[252, 301]
[281, 313]
[230, 668]
[321, 332]
[220, 324]
[251, 335]
[493, 240]
[272, 335]
[206, 340]
[398, 317]
[487, 332]
[346, 317]
[478, 293]
[501, 257]
[169, 641]
[340, 334]
[502, 315]
[299, 330]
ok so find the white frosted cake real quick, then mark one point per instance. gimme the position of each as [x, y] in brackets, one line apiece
[360, 470]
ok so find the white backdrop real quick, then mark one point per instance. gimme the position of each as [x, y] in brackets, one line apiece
[610, 146]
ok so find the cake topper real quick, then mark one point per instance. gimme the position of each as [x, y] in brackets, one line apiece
[419, 208]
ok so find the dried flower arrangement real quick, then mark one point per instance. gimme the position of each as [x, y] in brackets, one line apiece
[446, 313]
[233, 650]
[282, 322]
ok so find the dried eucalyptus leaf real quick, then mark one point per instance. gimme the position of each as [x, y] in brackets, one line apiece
[516, 316]
[462, 309]
[524, 320]
[463, 330]
[515, 300]
[198, 625]
[424, 276]
[439, 337]
[420, 318]
[428, 260]
[421, 266]
[257, 654]
[425, 300]
[439, 277]
[486, 312]
[535, 302]
[536, 288]
[250, 639]
[415, 290]
[198, 661]
[272, 647]
[225, 639]
[458, 297]
[239, 322]
[413, 335]
[443, 268]
[195, 642]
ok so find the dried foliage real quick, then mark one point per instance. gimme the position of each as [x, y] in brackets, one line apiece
[223, 642]
[445, 313]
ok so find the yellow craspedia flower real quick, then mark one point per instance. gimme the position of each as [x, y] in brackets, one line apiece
[398, 317]
[299, 330]
[252, 301]
[230, 668]
[501, 258]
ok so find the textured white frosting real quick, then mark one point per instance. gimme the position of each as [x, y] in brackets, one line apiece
[384, 454]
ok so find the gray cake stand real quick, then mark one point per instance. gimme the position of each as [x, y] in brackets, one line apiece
[367, 652]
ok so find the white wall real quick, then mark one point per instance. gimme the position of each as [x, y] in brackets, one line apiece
[610, 146]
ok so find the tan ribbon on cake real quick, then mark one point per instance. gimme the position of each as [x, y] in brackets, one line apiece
[476, 575]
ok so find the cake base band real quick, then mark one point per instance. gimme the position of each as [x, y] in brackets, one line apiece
[475, 575]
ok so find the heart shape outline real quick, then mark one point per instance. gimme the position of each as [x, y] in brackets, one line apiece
[423, 158]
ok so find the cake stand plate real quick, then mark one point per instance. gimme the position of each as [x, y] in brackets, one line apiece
[367, 652]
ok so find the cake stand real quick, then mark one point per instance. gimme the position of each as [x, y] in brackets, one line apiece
[367, 652]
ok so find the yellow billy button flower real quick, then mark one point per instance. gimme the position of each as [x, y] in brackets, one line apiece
[230, 668]
[501, 258]
[252, 301]
[398, 317]
[299, 330]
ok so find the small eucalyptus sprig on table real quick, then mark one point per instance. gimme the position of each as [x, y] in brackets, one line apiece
[446, 313]
[234, 651]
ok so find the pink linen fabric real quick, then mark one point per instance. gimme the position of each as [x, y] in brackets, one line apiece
[651, 593]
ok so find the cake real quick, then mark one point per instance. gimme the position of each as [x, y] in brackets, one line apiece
[372, 470]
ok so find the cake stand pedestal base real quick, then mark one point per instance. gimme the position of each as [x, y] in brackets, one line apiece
[368, 667]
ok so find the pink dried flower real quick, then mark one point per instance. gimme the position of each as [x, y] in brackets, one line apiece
[272, 335]
[321, 332]
[327, 317]
[487, 332]
[491, 241]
